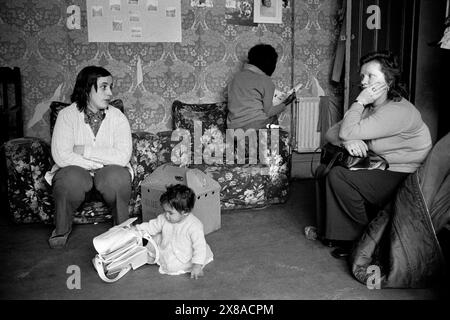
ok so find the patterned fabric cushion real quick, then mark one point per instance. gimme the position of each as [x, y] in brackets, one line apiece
[149, 152]
[27, 160]
[56, 107]
[213, 118]
[211, 114]
[249, 186]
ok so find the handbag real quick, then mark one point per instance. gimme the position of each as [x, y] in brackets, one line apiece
[121, 249]
[332, 155]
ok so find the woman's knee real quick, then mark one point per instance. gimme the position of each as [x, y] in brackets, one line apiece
[336, 176]
[113, 176]
[72, 178]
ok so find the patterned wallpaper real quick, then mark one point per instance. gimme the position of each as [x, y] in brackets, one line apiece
[34, 37]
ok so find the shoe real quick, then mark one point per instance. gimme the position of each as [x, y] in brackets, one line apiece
[328, 243]
[341, 253]
[58, 241]
[337, 243]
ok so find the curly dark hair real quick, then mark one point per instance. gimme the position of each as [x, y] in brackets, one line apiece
[391, 70]
[264, 56]
[86, 78]
[180, 197]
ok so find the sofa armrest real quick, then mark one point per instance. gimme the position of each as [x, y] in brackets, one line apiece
[167, 146]
[285, 150]
[29, 195]
[279, 155]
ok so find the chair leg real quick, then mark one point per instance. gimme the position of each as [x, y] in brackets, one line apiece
[3, 183]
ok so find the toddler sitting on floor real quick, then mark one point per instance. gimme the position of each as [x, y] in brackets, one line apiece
[178, 234]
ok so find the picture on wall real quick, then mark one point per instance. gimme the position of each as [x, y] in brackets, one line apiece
[152, 5]
[239, 12]
[202, 3]
[268, 11]
[134, 20]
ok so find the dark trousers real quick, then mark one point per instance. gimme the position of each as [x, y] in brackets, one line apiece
[72, 184]
[353, 198]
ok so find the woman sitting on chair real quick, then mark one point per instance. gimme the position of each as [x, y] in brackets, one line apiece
[382, 120]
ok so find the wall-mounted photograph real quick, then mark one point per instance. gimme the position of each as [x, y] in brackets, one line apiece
[267, 11]
[239, 12]
[202, 3]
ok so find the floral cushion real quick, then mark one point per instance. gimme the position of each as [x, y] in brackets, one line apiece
[27, 159]
[149, 152]
[213, 148]
[248, 186]
[213, 140]
[210, 114]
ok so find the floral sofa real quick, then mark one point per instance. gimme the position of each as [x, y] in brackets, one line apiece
[243, 185]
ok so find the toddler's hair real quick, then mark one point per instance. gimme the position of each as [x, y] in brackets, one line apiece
[179, 197]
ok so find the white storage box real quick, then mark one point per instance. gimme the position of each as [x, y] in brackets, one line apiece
[207, 191]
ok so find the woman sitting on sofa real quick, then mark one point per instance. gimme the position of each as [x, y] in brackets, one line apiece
[91, 146]
[250, 92]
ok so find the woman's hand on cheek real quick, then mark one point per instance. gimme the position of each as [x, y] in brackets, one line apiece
[372, 93]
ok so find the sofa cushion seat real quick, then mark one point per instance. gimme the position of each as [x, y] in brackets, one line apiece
[248, 185]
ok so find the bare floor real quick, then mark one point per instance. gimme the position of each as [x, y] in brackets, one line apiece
[258, 254]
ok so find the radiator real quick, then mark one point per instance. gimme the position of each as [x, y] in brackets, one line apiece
[305, 122]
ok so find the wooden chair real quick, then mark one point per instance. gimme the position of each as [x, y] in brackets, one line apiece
[11, 123]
